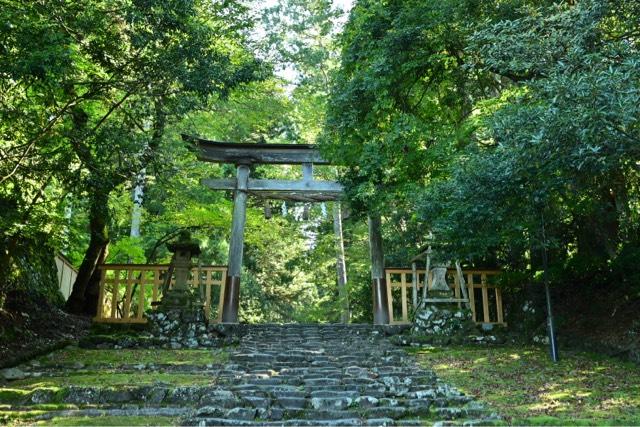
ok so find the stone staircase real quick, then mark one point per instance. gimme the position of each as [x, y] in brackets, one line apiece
[329, 375]
[276, 375]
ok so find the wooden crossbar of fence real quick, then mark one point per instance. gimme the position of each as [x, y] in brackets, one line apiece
[127, 291]
[485, 298]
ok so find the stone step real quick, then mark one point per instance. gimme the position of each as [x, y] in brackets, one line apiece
[289, 375]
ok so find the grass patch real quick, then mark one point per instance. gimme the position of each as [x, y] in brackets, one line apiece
[111, 379]
[15, 417]
[524, 386]
[89, 357]
[110, 421]
[12, 395]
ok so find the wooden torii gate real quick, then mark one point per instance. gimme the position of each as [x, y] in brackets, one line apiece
[306, 190]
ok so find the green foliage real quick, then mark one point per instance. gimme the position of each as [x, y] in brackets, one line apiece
[31, 278]
[504, 129]
[87, 95]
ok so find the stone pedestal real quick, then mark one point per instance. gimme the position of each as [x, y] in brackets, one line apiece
[443, 319]
[181, 329]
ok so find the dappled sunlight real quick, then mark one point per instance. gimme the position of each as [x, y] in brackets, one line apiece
[523, 383]
[450, 367]
[480, 360]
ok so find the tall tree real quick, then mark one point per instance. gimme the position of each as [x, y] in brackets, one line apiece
[86, 111]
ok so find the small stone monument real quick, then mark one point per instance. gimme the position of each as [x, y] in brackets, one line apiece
[180, 296]
[439, 316]
[179, 320]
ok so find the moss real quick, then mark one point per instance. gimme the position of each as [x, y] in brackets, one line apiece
[13, 396]
[90, 358]
[117, 328]
[13, 416]
[524, 386]
[111, 421]
[112, 379]
[546, 420]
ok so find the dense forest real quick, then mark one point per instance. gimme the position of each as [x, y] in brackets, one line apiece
[506, 134]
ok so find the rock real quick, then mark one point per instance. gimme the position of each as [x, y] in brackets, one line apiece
[241, 414]
[381, 422]
[330, 403]
[487, 327]
[422, 394]
[210, 411]
[82, 395]
[450, 413]
[222, 398]
[156, 395]
[115, 396]
[12, 374]
[78, 365]
[40, 396]
[366, 401]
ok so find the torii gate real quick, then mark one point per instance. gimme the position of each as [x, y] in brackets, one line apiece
[305, 190]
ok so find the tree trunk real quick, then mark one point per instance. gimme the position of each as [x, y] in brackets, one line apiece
[136, 212]
[341, 269]
[98, 223]
[92, 294]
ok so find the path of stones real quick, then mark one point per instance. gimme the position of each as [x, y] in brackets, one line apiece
[297, 375]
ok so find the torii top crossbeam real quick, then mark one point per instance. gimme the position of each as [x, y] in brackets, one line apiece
[235, 152]
[305, 190]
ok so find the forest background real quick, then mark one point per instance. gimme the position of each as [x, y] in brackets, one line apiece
[506, 130]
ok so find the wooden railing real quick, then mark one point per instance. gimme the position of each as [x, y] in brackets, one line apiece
[485, 299]
[128, 290]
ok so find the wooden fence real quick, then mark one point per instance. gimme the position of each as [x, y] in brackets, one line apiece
[128, 290]
[485, 298]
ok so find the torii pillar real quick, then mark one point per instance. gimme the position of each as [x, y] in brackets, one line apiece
[379, 282]
[231, 296]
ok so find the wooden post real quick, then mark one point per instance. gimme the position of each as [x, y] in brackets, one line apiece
[414, 285]
[403, 297]
[462, 284]
[307, 172]
[427, 267]
[341, 268]
[380, 300]
[232, 288]
[485, 298]
[100, 311]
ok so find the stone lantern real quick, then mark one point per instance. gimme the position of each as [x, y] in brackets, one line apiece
[180, 296]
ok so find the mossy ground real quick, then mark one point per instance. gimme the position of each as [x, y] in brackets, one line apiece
[8, 414]
[72, 355]
[107, 421]
[100, 369]
[523, 385]
[111, 379]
